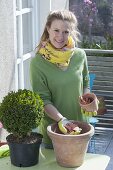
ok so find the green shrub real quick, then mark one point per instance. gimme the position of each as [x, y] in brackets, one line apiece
[21, 111]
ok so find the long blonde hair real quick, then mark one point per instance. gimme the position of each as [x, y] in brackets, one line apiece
[64, 15]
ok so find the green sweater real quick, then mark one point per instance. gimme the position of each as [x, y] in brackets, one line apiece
[60, 88]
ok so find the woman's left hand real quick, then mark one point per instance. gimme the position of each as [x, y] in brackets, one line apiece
[89, 104]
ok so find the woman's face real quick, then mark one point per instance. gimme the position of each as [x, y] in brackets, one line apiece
[58, 33]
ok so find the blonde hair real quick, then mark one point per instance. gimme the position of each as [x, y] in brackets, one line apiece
[64, 15]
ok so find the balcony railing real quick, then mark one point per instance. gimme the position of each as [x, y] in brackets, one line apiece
[100, 63]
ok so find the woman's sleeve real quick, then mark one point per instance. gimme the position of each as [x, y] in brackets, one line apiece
[39, 82]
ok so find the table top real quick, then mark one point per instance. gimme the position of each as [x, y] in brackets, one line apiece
[47, 161]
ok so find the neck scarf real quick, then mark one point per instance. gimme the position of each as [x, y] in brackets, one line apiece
[60, 57]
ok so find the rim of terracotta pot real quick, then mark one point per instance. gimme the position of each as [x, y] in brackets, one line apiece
[90, 131]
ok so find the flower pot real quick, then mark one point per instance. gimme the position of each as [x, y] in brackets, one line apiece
[24, 154]
[70, 150]
[93, 105]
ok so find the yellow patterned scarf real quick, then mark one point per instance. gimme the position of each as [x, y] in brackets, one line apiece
[59, 57]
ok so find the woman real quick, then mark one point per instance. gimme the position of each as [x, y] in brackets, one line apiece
[59, 71]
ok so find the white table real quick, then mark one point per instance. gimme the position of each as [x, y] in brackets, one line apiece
[47, 161]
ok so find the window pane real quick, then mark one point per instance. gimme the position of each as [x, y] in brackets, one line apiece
[17, 4]
[17, 31]
[27, 33]
[19, 76]
[26, 3]
[27, 84]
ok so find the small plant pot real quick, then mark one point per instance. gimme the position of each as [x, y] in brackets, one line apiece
[70, 150]
[93, 105]
[24, 154]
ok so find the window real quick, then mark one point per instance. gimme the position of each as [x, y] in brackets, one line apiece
[26, 39]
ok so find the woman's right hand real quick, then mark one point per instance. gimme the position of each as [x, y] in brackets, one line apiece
[68, 127]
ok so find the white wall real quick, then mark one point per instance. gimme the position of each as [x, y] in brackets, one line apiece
[59, 4]
[7, 52]
[6, 47]
[44, 7]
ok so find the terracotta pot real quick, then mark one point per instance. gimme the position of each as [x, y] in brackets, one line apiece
[70, 150]
[91, 107]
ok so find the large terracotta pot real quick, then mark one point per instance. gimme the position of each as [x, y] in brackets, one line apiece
[70, 150]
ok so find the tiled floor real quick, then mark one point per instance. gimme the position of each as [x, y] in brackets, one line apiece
[102, 143]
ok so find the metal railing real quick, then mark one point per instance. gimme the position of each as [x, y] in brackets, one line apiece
[102, 67]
